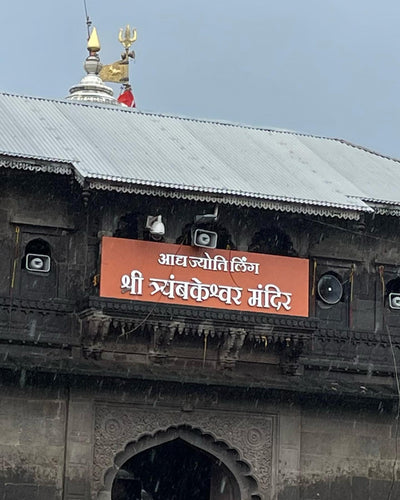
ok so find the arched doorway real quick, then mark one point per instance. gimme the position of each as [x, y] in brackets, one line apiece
[175, 470]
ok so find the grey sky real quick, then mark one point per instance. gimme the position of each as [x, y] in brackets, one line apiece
[327, 68]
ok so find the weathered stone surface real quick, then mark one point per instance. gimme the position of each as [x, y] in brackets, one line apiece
[252, 436]
[294, 449]
[32, 440]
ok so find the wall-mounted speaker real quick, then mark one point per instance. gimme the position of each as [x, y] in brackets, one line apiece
[394, 300]
[37, 263]
[330, 289]
[203, 238]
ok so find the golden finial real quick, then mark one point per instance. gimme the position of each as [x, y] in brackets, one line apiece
[93, 44]
[127, 38]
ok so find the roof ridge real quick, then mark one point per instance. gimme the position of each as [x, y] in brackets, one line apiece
[215, 158]
[364, 148]
[201, 120]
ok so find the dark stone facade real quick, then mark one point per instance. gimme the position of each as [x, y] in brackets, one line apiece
[294, 408]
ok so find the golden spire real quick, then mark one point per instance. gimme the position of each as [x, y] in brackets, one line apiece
[91, 88]
[93, 44]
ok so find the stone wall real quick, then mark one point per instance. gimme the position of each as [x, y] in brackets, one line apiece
[32, 443]
[54, 446]
[343, 454]
[61, 441]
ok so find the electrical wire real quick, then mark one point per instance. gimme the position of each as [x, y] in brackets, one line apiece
[125, 334]
[351, 231]
[87, 19]
[387, 329]
[396, 374]
[13, 274]
[150, 313]
[396, 434]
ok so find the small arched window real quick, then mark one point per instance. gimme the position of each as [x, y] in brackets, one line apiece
[392, 293]
[127, 227]
[272, 240]
[393, 286]
[37, 256]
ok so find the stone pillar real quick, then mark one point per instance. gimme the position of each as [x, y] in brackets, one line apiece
[79, 448]
[289, 454]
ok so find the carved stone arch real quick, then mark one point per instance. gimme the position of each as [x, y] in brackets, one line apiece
[218, 449]
[38, 244]
[249, 438]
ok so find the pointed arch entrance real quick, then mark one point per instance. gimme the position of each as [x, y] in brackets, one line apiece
[175, 470]
[177, 464]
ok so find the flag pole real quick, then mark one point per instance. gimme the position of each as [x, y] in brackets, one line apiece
[127, 37]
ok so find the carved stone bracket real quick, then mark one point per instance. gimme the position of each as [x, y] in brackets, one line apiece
[86, 196]
[289, 357]
[196, 316]
[95, 327]
[230, 348]
[119, 427]
[162, 339]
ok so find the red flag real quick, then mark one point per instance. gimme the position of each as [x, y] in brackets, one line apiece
[127, 98]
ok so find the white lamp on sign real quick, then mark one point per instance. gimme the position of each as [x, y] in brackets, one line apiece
[155, 226]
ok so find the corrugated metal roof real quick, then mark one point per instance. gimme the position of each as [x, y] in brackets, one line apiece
[127, 146]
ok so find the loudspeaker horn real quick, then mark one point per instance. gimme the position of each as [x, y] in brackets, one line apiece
[330, 289]
[37, 263]
[205, 239]
[394, 300]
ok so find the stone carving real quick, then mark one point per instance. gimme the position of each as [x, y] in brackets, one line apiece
[230, 349]
[250, 435]
[253, 322]
[95, 327]
[162, 338]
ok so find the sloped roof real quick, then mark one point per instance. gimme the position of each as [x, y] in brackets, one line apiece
[120, 148]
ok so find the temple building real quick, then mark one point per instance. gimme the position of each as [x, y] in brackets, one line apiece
[192, 309]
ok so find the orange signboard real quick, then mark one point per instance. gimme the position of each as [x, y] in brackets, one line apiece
[193, 276]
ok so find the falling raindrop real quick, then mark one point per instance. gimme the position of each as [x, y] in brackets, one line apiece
[223, 484]
[22, 378]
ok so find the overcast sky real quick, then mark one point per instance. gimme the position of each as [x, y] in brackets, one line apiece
[329, 68]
